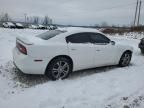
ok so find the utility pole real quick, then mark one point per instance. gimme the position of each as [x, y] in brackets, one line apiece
[25, 15]
[139, 13]
[136, 12]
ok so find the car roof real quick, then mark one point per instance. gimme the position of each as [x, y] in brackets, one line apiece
[77, 30]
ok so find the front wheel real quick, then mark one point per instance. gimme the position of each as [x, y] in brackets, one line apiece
[59, 68]
[142, 51]
[125, 59]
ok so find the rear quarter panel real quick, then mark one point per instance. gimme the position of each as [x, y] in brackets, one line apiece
[48, 51]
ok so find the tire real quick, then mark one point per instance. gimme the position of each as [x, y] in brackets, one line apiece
[125, 59]
[59, 68]
[142, 51]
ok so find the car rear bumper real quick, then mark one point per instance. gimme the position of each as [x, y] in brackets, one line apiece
[26, 64]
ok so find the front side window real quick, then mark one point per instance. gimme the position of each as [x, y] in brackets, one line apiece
[78, 38]
[99, 38]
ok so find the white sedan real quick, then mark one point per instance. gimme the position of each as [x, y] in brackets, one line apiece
[57, 53]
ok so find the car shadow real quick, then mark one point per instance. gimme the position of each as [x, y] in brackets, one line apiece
[142, 54]
[87, 72]
[32, 80]
[28, 79]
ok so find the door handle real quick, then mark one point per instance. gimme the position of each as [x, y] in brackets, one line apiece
[98, 50]
[73, 49]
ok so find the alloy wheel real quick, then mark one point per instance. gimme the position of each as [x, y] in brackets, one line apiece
[60, 69]
[126, 59]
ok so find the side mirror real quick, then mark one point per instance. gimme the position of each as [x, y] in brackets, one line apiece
[112, 42]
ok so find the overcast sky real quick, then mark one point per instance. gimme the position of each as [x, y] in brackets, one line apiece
[77, 12]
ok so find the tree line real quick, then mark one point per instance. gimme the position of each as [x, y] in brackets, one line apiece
[46, 20]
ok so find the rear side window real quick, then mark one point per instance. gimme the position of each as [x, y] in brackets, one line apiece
[78, 38]
[99, 38]
[50, 34]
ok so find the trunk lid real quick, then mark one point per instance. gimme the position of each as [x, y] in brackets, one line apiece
[29, 40]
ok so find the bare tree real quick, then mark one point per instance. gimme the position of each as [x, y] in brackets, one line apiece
[31, 19]
[35, 20]
[46, 20]
[5, 17]
[96, 25]
[104, 24]
[50, 21]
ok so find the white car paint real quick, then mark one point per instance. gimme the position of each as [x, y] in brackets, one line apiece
[8, 24]
[84, 56]
[33, 27]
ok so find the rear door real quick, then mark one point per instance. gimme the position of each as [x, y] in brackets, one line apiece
[81, 50]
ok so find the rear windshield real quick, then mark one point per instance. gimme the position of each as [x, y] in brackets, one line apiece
[50, 34]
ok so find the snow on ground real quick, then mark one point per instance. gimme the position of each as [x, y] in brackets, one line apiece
[12, 81]
[108, 87]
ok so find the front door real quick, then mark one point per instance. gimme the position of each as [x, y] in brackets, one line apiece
[105, 51]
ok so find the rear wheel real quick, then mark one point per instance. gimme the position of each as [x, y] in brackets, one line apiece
[125, 59]
[142, 51]
[59, 68]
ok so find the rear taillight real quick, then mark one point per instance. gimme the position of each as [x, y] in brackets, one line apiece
[21, 48]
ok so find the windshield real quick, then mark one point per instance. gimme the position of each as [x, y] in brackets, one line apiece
[50, 34]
